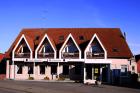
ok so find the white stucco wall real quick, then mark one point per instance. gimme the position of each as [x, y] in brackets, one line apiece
[116, 63]
[24, 74]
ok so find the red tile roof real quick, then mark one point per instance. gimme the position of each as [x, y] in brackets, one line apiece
[111, 38]
[1, 56]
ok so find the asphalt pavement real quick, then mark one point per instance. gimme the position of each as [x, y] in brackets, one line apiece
[13, 86]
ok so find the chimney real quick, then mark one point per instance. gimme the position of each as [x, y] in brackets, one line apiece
[124, 34]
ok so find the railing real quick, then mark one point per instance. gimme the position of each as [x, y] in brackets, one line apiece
[22, 55]
[70, 55]
[91, 55]
[45, 55]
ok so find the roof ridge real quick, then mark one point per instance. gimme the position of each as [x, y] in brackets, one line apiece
[68, 28]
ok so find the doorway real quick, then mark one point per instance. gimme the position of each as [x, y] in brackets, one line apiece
[105, 73]
[66, 71]
[89, 71]
[96, 72]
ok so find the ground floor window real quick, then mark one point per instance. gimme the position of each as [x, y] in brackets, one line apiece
[123, 70]
[133, 68]
[42, 69]
[65, 69]
[53, 69]
[19, 69]
[30, 70]
[78, 69]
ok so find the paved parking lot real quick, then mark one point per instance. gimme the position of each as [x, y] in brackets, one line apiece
[11, 86]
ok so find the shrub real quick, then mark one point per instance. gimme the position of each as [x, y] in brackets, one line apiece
[61, 78]
[77, 81]
[31, 78]
[46, 78]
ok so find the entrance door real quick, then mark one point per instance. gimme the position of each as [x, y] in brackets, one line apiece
[66, 71]
[53, 71]
[105, 73]
[96, 71]
[89, 71]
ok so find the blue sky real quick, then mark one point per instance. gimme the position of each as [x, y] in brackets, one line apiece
[18, 14]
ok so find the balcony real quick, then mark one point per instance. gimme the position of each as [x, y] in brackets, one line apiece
[45, 55]
[22, 55]
[70, 55]
[91, 55]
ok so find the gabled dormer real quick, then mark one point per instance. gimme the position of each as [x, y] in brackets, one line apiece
[22, 49]
[45, 49]
[95, 49]
[70, 49]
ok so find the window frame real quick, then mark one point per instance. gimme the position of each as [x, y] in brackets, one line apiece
[65, 69]
[53, 69]
[44, 71]
[29, 70]
[20, 68]
[81, 37]
[124, 70]
[78, 70]
[61, 38]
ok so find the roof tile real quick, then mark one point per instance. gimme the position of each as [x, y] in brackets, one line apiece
[110, 37]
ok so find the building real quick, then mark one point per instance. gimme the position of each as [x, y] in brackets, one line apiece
[71, 53]
[2, 66]
[137, 58]
[1, 56]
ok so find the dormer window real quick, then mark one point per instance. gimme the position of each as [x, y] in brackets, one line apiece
[25, 49]
[37, 38]
[115, 50]
[46, 49]
[61, 38]
[81, 37]
[70, 49]
[22, 49]
[95, 49]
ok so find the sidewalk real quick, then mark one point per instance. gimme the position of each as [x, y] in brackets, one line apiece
[62, 81]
